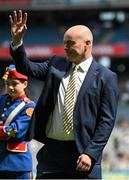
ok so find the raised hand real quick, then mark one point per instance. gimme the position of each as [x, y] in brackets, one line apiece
[18, 26]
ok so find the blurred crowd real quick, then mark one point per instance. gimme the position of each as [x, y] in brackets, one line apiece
[116, 153]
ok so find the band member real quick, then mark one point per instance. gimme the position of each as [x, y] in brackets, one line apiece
[15, 113]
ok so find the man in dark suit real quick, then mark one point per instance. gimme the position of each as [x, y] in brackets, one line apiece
[73, 151]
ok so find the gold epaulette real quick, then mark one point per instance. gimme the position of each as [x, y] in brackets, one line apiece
[27, 100]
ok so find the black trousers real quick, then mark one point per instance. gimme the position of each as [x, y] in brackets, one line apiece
[58, 160]
[15, 175]
[62, 175]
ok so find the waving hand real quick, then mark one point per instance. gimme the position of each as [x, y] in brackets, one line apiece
[18, 26]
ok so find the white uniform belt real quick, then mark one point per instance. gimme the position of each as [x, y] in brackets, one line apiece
[13, 113]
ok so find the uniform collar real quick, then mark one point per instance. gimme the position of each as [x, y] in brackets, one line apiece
[22, 96]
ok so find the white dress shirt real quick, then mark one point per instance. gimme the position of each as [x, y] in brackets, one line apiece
[54, 128]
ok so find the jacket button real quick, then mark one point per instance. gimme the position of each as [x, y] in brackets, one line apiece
[1, 122]
[2, 115]
[5, 109]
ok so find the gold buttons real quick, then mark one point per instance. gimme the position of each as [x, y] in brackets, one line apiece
[8, 103]
[1, 122]
[2, 115]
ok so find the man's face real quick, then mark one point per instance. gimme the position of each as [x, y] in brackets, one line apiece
[15, 87]
[74, 47]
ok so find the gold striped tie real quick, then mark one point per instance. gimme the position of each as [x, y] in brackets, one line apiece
[69, 101]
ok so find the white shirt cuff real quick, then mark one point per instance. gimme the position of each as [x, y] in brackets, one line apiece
[16, 47]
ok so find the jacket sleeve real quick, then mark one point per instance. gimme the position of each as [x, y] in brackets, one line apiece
[27, 67]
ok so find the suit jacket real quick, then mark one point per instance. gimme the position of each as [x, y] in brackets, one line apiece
[95, 108]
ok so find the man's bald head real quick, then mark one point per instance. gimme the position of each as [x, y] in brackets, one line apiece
[80, 31]
[78, 43]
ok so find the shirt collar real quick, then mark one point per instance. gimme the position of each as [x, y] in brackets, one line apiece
[84, 66]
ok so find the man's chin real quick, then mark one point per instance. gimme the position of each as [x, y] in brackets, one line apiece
[71, 58]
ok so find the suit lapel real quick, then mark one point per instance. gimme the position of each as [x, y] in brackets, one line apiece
[60, 73]
[88, 81]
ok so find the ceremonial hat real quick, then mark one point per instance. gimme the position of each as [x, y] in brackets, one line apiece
[11, 72]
